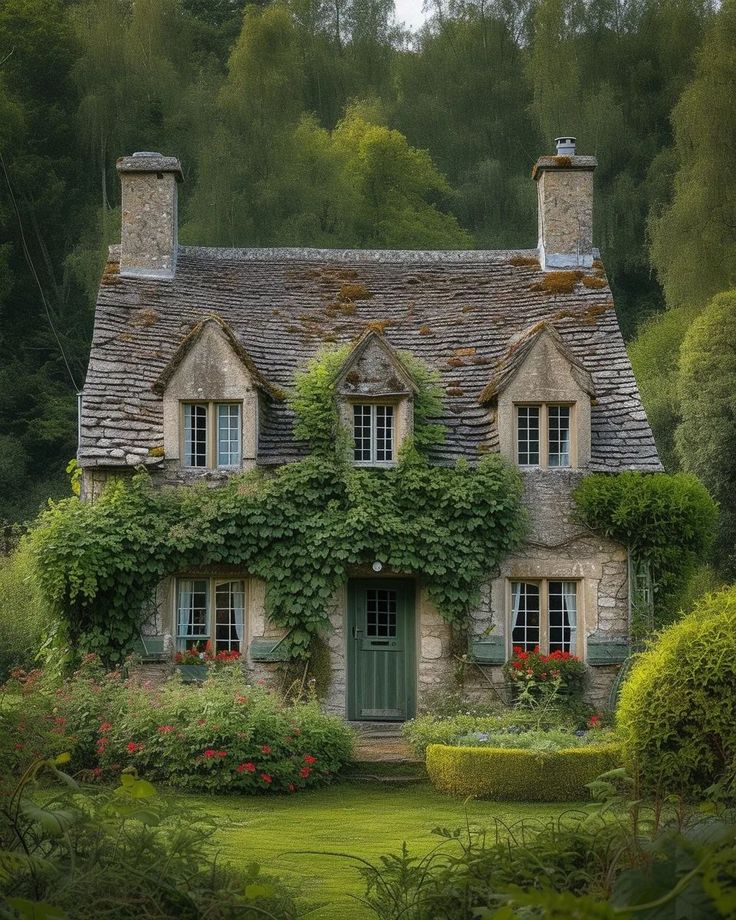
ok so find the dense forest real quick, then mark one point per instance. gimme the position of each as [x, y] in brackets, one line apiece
[323, 122]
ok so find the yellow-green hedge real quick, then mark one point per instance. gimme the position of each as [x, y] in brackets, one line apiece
[519, 775]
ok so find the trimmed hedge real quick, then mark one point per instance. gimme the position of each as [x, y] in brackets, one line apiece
[516, 775]
[676, 712]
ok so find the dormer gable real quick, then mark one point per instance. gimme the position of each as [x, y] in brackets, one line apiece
[374, 370]
[210, 389]
[542, 395]
[542, 351]
[375, 396]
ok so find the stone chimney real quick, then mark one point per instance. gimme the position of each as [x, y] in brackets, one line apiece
[149, 237]
[565, 207]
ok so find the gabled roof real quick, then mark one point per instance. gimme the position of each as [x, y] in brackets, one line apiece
[456, 311]
[400, 382]
[519, 349]
[191, 339]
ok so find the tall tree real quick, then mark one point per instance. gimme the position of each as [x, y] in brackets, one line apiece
[694, 238]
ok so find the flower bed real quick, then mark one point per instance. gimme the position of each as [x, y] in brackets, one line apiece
[512, 774]
[222, 736]
[534, 674]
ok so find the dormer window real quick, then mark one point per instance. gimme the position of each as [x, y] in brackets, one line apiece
[543, 435]
[373, 434]
[212, 435]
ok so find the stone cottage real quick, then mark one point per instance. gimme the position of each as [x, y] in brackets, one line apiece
[193, 350]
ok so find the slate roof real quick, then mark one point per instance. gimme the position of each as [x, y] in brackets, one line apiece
[459, 311]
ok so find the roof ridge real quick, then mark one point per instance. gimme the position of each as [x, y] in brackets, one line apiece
[419, 256]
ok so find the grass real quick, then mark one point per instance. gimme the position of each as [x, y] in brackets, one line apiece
[366, 820]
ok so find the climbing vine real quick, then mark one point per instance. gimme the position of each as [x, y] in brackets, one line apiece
[300, 528]
[666, 521]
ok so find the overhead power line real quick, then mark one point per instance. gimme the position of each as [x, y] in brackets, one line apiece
[32, 267]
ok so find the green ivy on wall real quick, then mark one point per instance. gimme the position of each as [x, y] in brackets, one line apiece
[299, 528]
[666, 520]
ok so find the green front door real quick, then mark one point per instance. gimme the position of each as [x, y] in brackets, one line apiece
[381, 649]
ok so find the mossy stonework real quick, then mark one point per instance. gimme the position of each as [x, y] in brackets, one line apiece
[363, 492]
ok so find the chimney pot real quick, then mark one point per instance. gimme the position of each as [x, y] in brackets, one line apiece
[565, 146]
[149, 233]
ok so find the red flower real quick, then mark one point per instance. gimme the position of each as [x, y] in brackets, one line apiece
[594, 722]
[241, 699]
[165, 729]
[211, 752]
[267, 778]
[309, 759]
[104, 727]
[133, 747]
[517, 650]
[266, 749]
[249, 767]
[304, 772]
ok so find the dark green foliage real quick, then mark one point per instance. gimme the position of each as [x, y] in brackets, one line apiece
[706, 437]
[614, 861]
[22, 612]
[666, 521]
[299, 530]
[122, 852]
[312, 124]
[677, 705]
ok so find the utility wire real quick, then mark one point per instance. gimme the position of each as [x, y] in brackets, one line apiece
[32, 267]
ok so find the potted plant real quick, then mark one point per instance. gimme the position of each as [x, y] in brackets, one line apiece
[192, 662]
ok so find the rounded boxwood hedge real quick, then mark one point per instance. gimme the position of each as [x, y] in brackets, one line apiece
[519, 775]
[676, 711]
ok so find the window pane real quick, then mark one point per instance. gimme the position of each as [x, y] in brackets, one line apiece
[192, 618]
[195, 435]
[525, 615]
[380, 613]
[229, 615]
[527, 426]
[384, 433]
[362, 434]
[228, 435]
[562, 615]
[559, 435]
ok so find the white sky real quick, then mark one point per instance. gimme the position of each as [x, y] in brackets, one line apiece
[410, 12]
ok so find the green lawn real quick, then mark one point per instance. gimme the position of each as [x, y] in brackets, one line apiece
[364, 819]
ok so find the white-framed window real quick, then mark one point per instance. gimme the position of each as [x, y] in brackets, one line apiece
[212, 435]
[544, 614]
[210, 610]
[373, 434]
[544, 435]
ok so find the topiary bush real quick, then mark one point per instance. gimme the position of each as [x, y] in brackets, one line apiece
[676, 711]
[519, 775]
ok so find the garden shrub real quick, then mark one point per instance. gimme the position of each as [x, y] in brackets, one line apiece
[23, 614]
[676, 711]
[533, 740]
[667, 521]
[124, 853]
[519, 775]
[617, 858]
[222, 736]
[428, 729]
